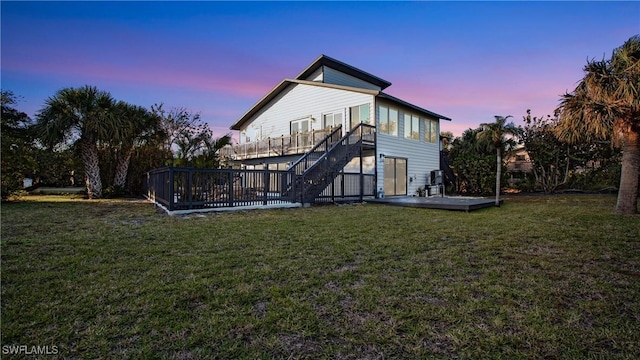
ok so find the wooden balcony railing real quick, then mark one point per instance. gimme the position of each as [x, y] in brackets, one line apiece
[294, 144]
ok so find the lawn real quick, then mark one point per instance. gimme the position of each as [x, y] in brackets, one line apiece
[539, 277]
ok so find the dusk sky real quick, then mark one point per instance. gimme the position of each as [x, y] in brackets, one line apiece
[466, 60]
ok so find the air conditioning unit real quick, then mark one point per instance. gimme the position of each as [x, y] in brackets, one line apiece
[437, 177]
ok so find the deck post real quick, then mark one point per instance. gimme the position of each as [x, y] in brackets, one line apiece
[302, 189]
[361, 174]
[333, 189]
[265, 183]
[291, 179]
[230, 187]
[190, 188]
[171, 189]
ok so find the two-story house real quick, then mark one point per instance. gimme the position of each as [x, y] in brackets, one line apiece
[317, 109]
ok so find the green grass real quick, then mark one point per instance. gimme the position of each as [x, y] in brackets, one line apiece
[540, 277]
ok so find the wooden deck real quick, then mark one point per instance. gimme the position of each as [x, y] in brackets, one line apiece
[458, 203]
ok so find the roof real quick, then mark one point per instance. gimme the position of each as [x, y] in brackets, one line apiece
[324, 60]
[397, 101]
[337, 65]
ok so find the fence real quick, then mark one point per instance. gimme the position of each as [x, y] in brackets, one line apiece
[348, 187]
[189, 188]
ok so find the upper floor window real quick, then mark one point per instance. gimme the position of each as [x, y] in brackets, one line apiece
[359, 114]
[331, 120]
[388, 121]
[298, 126]
[430, 131]
[411, 127]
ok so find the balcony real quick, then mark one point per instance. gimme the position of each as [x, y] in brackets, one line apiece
[294, 144]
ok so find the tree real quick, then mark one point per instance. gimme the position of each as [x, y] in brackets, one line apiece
[189, 139]
[83, 116]
[606, 106]
[208, 157]
[446, 137]
[140, 126]
[557, 163]
[495, 134]
[18, 161]
[179, 126]
[549, 155]
[472, 162]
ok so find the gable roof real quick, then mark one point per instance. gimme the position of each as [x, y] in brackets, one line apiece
[340, 66]
[400, 102]
[324, 60]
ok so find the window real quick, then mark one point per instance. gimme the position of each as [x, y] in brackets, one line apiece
[298, 126]
[331, 120]
[388, 121]
[384, 120]
[393, 122]
[359, 114]
[300, 135]
[430, 131]
[434, 131]
[411, 127]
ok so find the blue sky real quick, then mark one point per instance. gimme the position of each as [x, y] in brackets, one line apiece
[466, 60]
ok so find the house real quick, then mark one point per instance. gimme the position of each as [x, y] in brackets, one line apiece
[518, 164]
[328, 108]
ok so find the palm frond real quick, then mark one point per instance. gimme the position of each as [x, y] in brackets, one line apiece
[606, 102]
[494, 133]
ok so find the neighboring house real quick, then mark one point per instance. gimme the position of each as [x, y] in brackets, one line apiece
[326, 101]
[518, 164]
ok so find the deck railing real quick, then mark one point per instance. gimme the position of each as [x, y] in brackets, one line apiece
[316, 177]
[190, 188]
[294, 144]
[348, 187]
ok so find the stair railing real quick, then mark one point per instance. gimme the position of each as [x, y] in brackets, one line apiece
[311, 156]
[312, 181]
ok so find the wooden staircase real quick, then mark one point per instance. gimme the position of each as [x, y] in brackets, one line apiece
[317, 169]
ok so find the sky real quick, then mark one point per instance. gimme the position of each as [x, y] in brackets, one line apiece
[468, 61]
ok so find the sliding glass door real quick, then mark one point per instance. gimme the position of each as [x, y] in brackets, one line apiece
[395, 176]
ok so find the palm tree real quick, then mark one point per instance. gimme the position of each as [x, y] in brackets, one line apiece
[140, 125]
[82, 116]
[606, 106]
[209, 156]
[495, 134]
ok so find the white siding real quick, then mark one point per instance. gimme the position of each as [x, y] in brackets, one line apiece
[300, 101]
[421, 157]
[336, 77]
